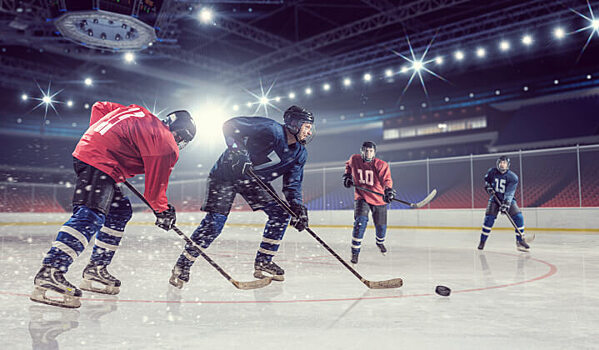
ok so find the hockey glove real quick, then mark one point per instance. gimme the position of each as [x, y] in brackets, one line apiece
[504, 208]
[166, 219]
[347, 180]
[389, 195]
[489, 189]
[300, 220]
[240, 161]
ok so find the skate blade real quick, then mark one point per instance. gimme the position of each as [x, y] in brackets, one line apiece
[522, 249]
[105, 289]
[260, 275]
[175, 282]
[39, 296]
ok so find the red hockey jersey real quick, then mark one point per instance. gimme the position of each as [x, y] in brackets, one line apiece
[374, 175]
[127, 141]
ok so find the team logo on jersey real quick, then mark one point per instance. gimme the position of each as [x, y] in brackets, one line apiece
[272, 159]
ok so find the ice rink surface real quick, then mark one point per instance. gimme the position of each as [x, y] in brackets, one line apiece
[501, 298]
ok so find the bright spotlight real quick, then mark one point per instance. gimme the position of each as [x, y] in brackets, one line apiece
[24, 97]
[481, 52]
[249, 104]
[70, 103]
[278, 98]
[346, 82]
[308, 91]
[595, 24]
[439, 60]
[47, 100]
[367, 77]
[504, 45]
[129, 57]
[88, 81]
[326, 86]
[559, 33]
[235, 108]
[527, 40]
[417, 65]
[206, 15]
[291, 95]
[263, 100]
[388, 73]
[459, 55]
[404, 69]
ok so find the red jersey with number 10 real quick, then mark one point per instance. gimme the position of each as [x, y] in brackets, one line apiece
[127, 141]
[374, 175]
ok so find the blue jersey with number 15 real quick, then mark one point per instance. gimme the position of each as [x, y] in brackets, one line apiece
[504, 184]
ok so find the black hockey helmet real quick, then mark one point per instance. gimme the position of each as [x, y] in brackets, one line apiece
[365, 145]
[294, 117]
[501, 159]
[182, 125]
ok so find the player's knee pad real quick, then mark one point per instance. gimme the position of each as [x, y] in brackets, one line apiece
[488, 223]
[74, 236]
[360, 226]
[519, 221]
[276, 214]
[209, 229]
[381, 232]
[119, 215]
[278, 219]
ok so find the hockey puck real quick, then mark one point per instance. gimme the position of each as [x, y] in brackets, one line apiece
[443, 291]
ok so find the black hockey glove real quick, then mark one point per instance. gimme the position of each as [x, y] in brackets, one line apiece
[166, 219]
[347, 180]
[489, 189]
[300, 220]
[240, 161]
[389, 195]
[504, 208]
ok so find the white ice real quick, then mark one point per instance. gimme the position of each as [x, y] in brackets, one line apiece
[501, 299]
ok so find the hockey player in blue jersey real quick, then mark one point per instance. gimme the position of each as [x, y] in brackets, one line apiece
[271, 150]
[502, 182]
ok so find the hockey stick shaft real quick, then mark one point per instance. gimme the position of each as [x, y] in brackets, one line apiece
[420, 204]
[508, 215]
[240, 285]
[393, 283]
[382, 195]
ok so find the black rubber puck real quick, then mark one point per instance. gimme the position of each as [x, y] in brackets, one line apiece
[443, 291]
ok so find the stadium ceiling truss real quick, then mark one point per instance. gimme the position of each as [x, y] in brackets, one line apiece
[28, 23]
[504, 22]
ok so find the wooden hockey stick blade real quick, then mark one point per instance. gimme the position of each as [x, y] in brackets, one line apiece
[426, 200]
[252, 284]
[392, 283]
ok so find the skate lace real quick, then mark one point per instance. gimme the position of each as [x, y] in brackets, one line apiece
[59, 277]
[102, 271]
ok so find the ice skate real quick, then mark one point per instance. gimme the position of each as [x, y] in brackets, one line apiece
[98, 274]
[274, 270]
[521, 244]
[52, 279]
[481, 245]
[382, 248]
[179, 276]
[354, 258]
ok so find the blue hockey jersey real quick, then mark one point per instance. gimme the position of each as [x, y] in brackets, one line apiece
[504, 184]
[271, 156]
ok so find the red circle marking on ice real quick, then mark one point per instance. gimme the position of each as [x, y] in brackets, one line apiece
[552, 271]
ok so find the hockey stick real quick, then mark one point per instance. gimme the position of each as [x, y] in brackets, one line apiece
[420, 204]
[527, 239]
[239, 285]
[392, 283]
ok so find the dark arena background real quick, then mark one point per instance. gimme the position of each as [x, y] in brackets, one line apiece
[443, 87]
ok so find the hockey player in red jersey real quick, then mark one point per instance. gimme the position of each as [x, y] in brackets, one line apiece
[369, 172]
[121, 142]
